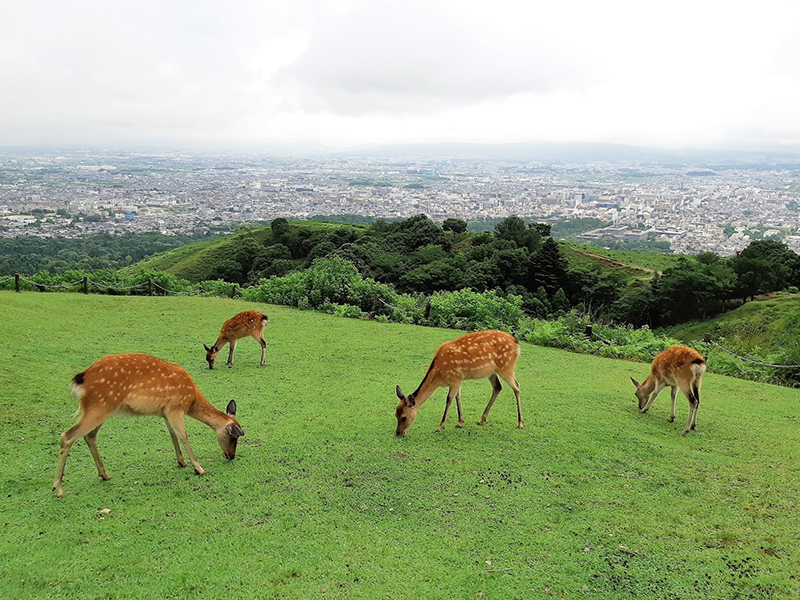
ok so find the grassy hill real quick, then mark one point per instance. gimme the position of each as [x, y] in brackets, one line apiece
[591, 498]
[763, 323]
[193, 261]
[640, 265]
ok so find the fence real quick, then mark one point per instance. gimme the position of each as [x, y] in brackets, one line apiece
[85, 286]
[150, 287]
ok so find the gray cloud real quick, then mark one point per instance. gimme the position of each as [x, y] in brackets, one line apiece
[414, 57]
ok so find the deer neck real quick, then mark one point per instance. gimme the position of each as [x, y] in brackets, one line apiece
[203, 411]
[649, 385]
[427, 387]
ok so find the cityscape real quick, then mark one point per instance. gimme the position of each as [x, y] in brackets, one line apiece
[707, 208]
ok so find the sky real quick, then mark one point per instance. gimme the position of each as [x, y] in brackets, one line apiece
[348, 73]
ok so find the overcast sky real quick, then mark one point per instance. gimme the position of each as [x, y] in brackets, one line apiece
[698, 73]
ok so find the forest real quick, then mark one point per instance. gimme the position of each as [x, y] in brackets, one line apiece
[28, 255]
[417, 256]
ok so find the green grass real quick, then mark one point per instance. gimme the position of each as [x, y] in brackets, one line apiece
[763, 323]
[323, 501]
[577, 256]
[640, 264]
[194, 261]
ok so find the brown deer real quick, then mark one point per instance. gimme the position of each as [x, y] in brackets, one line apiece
[476, 355]
[140, 384]
[679, 367]
[249, 322]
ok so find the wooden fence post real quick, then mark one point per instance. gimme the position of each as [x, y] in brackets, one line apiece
[427, 309]
[16, 282]
[588, 332]
[149, 287]
[233, 290]
[85, 284]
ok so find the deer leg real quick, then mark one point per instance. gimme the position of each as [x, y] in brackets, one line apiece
[91, 441]
[496, 387]
[176, 421]
[460, 423]
[83, 427]
[450, 396]
[231, 350]
[674, 396]
[181, 461]
[694, 404]
[515, 387]
[263, 343]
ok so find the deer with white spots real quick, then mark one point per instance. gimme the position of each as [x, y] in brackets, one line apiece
[681, 368]
[249, 322]
[140, 384]
[490, 354]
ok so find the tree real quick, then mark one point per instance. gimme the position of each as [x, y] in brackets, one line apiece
[280, 227]
[765, 266]
[514, 229]
[454, 225]
[692, 290]
[547, 268]
[414, 233]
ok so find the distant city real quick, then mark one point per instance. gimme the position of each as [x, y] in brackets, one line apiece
[696, 206]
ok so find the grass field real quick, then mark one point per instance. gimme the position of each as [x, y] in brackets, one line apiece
[592, 498]
[765, 323]
[638, 264]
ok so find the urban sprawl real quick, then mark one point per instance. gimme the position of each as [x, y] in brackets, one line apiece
[695, 209]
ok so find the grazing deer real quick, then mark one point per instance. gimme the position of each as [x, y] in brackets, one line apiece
[472, 356]
[139, 384]
[249, 322]
[679, 367]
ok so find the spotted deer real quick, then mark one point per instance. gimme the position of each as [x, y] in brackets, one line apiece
[681, 368]
[490, 354]
[139, 384]
[249, 322]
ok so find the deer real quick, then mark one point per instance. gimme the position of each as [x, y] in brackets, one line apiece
[482, 354]
[249, 322]
[681, 368]
[140, 384]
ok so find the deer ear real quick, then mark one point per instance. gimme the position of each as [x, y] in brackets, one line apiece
[207, 348]
[411, 401]
[231, 410]
[636, 383]
[399, 393]
[235, 430]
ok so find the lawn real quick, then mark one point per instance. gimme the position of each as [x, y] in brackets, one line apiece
[591, 498]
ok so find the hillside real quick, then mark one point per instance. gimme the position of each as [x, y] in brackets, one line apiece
[764, 323]
[193, 261]
[578, 256]
[640, 264]
[324, 501]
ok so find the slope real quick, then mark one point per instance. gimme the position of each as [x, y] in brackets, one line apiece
[324, 501]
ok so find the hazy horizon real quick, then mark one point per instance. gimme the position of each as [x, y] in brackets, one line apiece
[347, 74]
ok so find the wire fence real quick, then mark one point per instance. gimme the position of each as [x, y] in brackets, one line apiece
[708, 340]
[150, 287]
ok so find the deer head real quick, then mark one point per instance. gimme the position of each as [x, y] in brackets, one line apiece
[211, 355]
[228, 435]
[406, 412]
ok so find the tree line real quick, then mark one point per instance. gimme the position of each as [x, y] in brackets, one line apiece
[417, 255]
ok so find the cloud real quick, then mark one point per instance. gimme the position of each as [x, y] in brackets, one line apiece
[418, 57]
